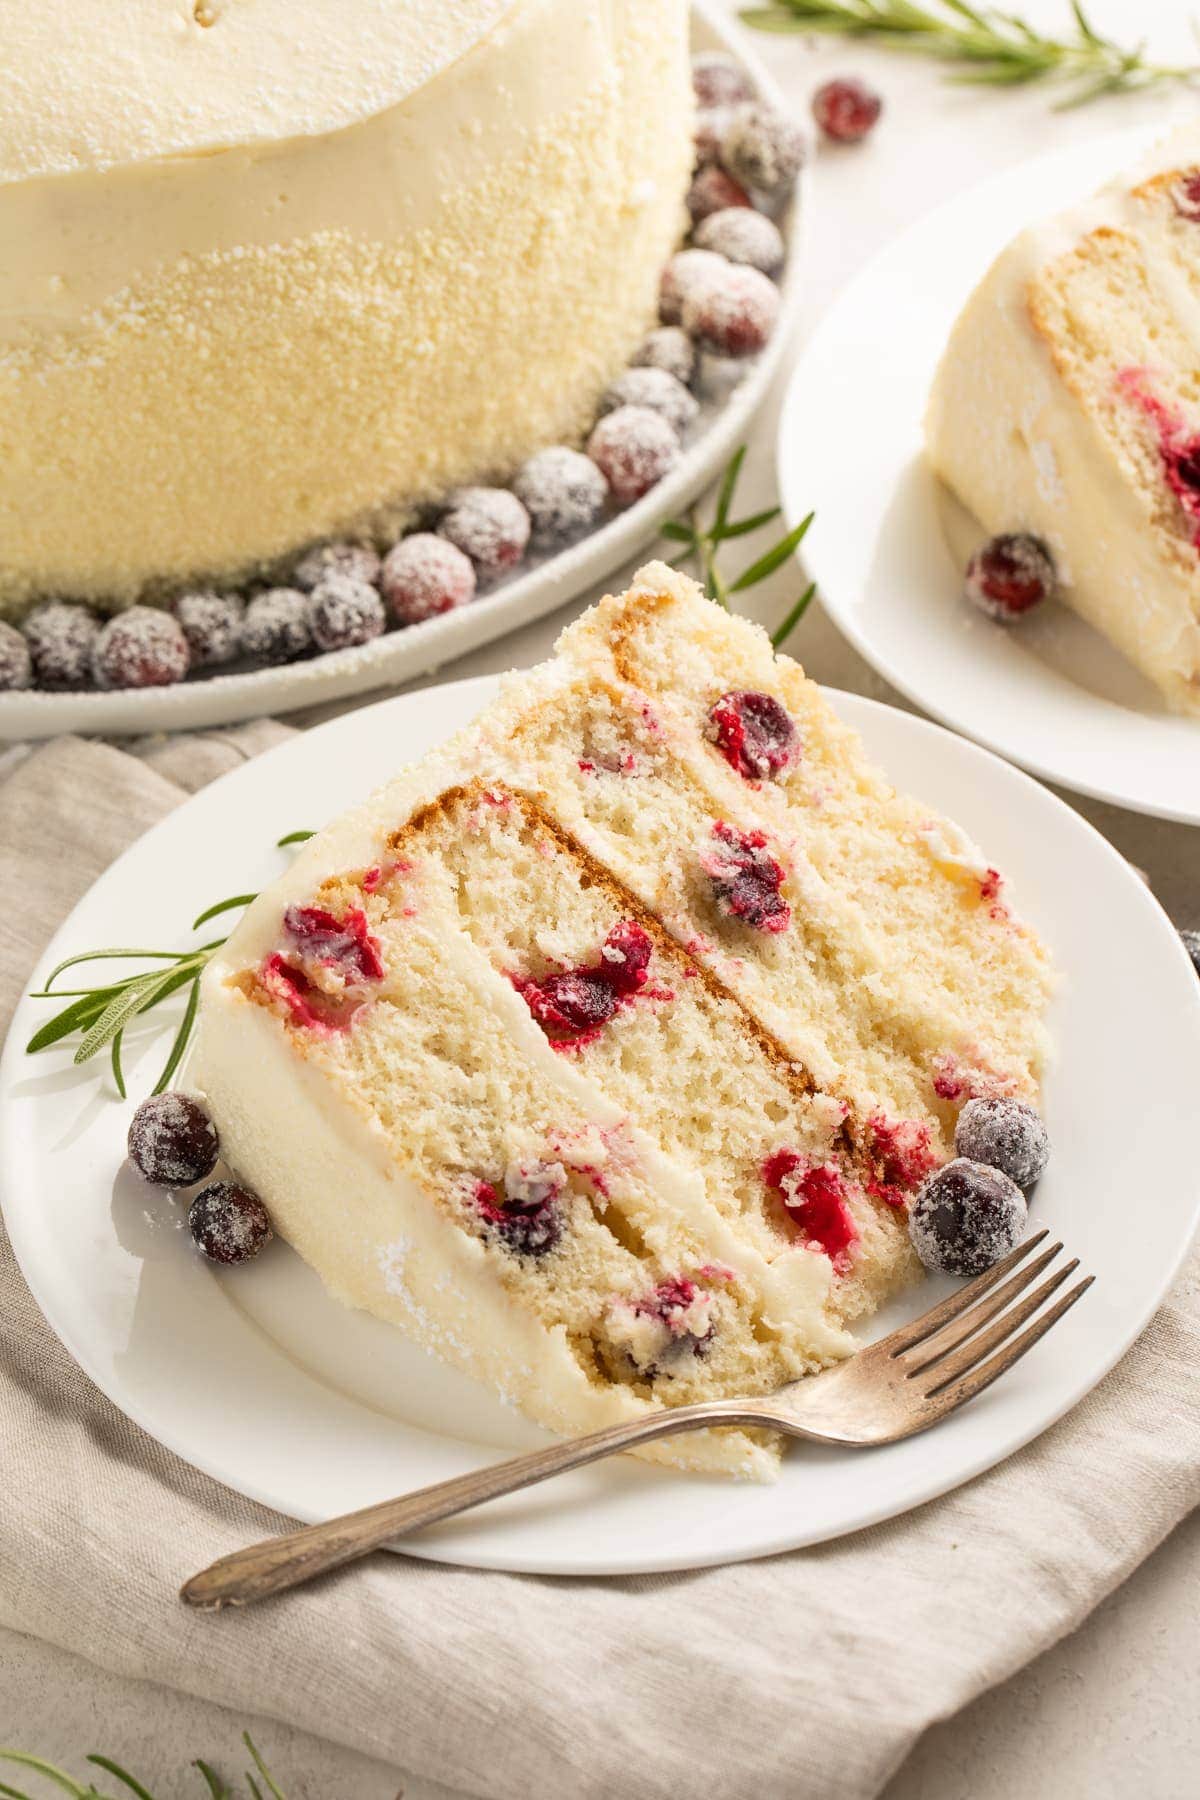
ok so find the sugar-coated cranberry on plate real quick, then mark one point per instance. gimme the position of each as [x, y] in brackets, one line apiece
[633, 448]
[668, 348]
[654, 388]
[763, 150]
[965, 1217]
[172, 1141]
[212, 625]
[343, 612]
[424, 575]
[142, 647]
[1006, 1133]
[846, 109]
[275, 628]
[720, 81]
[743, 236]
[488, 524]
[708, 134]
[734, 314]
[1010, 575]
[16, 664]
[229, 1222]
[61, 635]
[563, 492]
[1191, 943]
[686, 273]
[359, 561]
[714, 190]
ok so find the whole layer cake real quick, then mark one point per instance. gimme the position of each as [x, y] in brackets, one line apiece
[1067, 405]
[602, 1052]
[274, 274]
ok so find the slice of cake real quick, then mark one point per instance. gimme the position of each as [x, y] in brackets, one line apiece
[1067, 405]
[601, 1051]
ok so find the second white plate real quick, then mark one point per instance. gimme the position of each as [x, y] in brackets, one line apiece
[1052, 694]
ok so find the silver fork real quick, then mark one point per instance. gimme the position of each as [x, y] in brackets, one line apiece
[895, 1387]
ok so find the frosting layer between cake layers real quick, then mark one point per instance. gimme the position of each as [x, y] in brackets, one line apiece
[266, 279]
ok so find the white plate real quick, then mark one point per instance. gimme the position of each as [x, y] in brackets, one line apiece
[258, 1378]
[547, 583]
[1051, 694]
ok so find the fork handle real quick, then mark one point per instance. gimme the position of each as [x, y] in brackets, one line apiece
[284, 1562]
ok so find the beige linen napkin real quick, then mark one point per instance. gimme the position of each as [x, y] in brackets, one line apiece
[808, 1675]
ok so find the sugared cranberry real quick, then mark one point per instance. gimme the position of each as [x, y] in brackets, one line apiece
[563, 492]
[633, 448]
[489, 525]
[763, 150]
[668, 348]
[276, 628]
[655, 389]
[343, 612]
[966, 1217]
[571, 1005]
[212, 625]
[733, 315]
[1009, 575]
[846, 109]
[720, 81]
[1008, 1134]
[172, 1140]
[424, 575]
[1191, 943]
[229, 1223]
[61, 636]
[815, 1197]
[714, 190]
[742, 236]
[526, 1213]
[903, 1155]
[708, 134]
[687, 272]
[754, 733]
[140, 648]
[746, 880]
[359, 562]
[16, 664]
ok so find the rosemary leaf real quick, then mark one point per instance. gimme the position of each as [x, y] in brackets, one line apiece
[222, 906]
[59, 1777]
[678, 534]
[294, 837]
[106, 1763]
[181, 1038]
[76, 1017]
[262, 1768]
[725, 496]
[13, 1793]
[218, 1789]
[99, 955]
[774, 559]
[118, 1073]
[781, 634]
[120, 1009]
[741, 527]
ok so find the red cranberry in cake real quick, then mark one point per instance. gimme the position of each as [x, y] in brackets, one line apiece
[846, 109]
[489, 525]
[754, 734]
[229, 1223]
[61, 635]
[344, 946]
[815, 1198]
[358, 562]
[763, 150]
[572, 1005]
[563, 492]
[966, 1217]
[1009, 575]
[142, 647]
[1007, 1134]
[743, 236]
[713, 190]
[16, 664]
[654, 1332]
[172, 1141]
[746, 880]
[734, 313]
[903, 1156]
[424, 575]
[687, 271]
[1187, 196]
[633, 448]
[654, 388]
[212, 625]
[668, 348]
[276, 626]
[324, 974]
[720, 81]
[343, 612]
[525, 1211]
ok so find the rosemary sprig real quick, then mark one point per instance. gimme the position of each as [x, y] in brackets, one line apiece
[991, 46]
[701, 542]
[100, 1014]
[218, 1789]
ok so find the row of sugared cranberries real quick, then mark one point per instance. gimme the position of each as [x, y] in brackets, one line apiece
[173, 1143]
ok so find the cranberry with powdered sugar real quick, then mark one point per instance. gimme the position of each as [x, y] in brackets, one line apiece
[734, 313]
[720, 81]
[712, 123]
[714, 190]
[633, 448]
[61, 635]
[746, 237]
[846, 109]
[359, 562]
[489, 525]
[668, 348]
[16, 664]
[1010, 575]
[686, 273]
[763, 150]
[1008, 1134]
[140, 648]
[425, 575]
[172, 1141]
[343, 612]
[212, 625]
[275, 628]
[653, 388]
[965, 1217]
[563, 492]
[229, 1223]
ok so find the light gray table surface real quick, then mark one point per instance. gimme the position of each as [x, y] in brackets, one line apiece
[1110, 1711]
